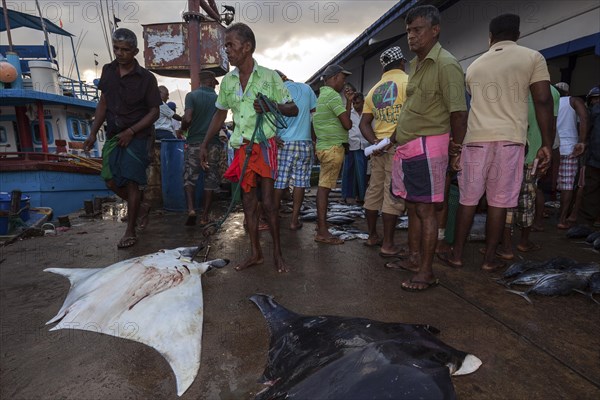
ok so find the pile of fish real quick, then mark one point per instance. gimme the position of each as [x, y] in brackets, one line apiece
[581, 231]
[330, 357]
[337, 213]
[558, 276]
[347, 232]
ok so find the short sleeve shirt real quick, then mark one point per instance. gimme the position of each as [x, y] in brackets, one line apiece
[165, 118]
[241, 101]
[534, 135]
[499, 82]
[328, 127]
[385, 101]
[298, 127]
[436, 88]
[128, 98]
[202, 103]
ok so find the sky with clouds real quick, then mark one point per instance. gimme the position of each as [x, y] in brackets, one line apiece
[297, 37]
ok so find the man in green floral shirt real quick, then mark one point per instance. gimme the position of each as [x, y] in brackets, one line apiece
[238, 93]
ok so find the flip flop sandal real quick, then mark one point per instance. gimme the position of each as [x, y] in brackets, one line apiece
[329, 240]
[399, 254]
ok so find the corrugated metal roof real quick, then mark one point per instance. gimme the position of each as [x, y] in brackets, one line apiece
[397, 11]
[390, 16]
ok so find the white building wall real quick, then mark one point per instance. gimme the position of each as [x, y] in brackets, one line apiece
[544, 23]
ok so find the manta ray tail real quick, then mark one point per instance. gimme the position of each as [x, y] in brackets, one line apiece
[276, 315]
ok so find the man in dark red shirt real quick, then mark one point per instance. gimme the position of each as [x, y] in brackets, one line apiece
[129, 104]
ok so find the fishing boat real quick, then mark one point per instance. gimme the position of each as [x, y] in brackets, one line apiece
[44, 119]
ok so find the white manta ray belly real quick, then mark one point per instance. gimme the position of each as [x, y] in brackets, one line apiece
[154, 299]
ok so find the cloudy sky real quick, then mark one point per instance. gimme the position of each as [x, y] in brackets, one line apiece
[297, 37]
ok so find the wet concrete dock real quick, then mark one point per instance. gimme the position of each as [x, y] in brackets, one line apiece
[548, 350]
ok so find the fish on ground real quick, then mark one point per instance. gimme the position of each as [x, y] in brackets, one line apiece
[330, 357]
[558, 284]
[154, 299]
[592, 288]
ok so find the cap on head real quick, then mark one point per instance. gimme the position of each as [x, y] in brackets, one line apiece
[334, 69]
[172, 105]
[562, 86]
[594, 92]
[208, 77]
[390, 55]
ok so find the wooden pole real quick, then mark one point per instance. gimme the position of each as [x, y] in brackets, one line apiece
[194, 42]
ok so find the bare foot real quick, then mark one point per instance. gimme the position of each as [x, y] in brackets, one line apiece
[373, 241]
[280, 264]
[249, 262]
[395, 251]
[442, 247]
[406, 265]
[296, 226]
[420, 282]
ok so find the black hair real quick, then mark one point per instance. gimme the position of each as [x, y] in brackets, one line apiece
[396, 64]
[505, 27]
[125, 35]
[428, 12]
[244, 32]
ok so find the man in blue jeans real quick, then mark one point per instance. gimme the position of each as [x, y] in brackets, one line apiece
[354, 173]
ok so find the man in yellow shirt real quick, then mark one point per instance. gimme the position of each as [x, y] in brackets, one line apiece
[382, 105]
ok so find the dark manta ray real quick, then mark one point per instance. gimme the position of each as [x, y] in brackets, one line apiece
[328, 357]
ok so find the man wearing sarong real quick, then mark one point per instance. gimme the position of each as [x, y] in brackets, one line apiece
[238, 93]
[129, 104]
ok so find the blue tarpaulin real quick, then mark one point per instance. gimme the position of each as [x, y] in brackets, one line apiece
[19, 19]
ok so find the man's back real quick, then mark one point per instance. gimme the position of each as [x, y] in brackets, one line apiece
[385, 101]
[306, 100]
[498, 82]
[202, 102]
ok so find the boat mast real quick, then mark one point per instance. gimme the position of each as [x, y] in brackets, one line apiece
[7, 23]
[37, 3]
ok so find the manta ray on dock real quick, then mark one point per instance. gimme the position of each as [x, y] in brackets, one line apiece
[154, 299]
[330, 357]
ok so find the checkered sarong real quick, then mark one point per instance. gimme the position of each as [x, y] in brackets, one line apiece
[524, 213]
[294, 164]
[566, 173]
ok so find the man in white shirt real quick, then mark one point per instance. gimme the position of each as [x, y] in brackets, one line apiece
[163, 125]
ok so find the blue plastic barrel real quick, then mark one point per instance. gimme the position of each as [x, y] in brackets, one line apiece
[172, 165]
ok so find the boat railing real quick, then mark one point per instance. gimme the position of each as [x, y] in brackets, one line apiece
[81, 90]
[16, 157]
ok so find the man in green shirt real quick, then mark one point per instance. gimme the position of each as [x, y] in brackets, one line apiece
[331, 123]
[199, 109]
[434, 107]
[238, 93]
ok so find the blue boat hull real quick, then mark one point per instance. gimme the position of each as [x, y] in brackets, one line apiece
[64, 192]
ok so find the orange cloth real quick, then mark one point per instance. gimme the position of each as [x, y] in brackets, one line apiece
[263, 163]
